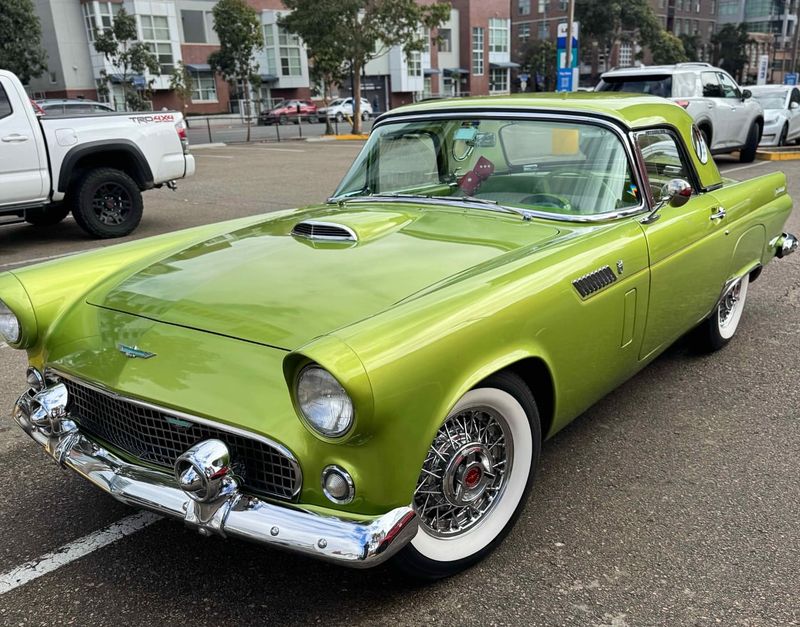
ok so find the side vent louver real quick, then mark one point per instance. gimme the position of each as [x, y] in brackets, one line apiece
[312, 229]
[595, 281]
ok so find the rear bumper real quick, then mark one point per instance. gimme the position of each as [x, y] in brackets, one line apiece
[363, 544]
[189, 166]
[785, 244]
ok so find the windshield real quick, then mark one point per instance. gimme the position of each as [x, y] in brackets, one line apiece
[567, 168]
[773, 100]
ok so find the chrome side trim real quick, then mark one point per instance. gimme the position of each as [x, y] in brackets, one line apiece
[49, 372]
[355, 543]
[351, 234]
[529, 115]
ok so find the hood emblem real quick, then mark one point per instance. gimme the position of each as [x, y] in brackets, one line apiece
[133, 352]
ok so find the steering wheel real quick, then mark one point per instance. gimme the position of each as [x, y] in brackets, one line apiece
[543, 199]
[607, 196]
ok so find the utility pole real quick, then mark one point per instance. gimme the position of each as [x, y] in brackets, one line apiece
[570, 20]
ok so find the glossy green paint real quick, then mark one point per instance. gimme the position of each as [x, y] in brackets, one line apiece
[431, 300]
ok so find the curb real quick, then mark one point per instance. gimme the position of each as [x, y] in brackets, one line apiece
[778, 155]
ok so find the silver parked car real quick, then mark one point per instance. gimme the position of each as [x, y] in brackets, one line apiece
[781, 104]
[726, 115]
[72, 106]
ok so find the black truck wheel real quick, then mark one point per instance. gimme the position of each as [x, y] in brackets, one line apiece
[107, 203]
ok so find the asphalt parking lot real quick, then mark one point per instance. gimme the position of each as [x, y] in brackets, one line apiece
[673, 501]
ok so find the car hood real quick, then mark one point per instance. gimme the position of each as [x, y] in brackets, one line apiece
[265, 285]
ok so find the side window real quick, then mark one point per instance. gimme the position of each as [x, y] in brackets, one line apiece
[729, 88]
[662, 159]
[407, 161]
[711, 86]
[5, 104]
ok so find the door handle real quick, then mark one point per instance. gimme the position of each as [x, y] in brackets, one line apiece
[718, 214]
[15, 138]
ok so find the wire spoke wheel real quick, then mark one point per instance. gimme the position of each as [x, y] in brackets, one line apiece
[730, 308]
[464, 473]
[111, 203]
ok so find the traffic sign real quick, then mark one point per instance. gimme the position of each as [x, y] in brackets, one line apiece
[790, 78]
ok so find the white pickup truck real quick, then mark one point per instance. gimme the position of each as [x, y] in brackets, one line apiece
[95, 165]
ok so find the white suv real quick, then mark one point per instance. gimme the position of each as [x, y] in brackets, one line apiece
[727, 116]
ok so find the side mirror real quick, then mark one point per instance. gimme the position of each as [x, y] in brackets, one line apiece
[676, 192]
[794, 105]
[746, 93]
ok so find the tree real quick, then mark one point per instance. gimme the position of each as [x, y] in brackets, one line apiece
[606, 22]
[121, 47]
[539, 58]
[730, 48]
[667, 49]
[240, 37]
[691, 46]
[20, 40]
[362, 30]
[180, 81]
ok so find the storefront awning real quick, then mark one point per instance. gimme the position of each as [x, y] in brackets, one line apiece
[504, 65]
[431, 71]
[136, 79]
[268, 78]
[198, 67]
[455, 71]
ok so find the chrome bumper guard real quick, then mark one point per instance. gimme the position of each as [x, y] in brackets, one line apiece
[205, 495]
[785, 244]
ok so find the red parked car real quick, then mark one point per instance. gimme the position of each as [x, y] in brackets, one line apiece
[287, 110]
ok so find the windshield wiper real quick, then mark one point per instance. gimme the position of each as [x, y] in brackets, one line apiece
[526, 215]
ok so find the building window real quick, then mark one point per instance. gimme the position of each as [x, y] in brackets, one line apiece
[697, 6]
[269, 50]
[524, 33]
[477, 51]
[524, 7]
[53, 78]
[544, 5]
[194, 27]
[289, 44]
[415, 63]
[662, 4]
[563, 5]
[498, 35]
[713, 9]
[498, 81]
[426, 87]
[544, 30]
[204, 87]
[625, 54]
[445, 40]
[99, 17]
[155, 33]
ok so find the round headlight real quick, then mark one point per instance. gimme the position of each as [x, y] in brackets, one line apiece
[9, 325]
[324, 402]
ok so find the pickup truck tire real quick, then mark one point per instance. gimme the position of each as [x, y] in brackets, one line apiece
[748, 153]
[46, 216]
[107, 203]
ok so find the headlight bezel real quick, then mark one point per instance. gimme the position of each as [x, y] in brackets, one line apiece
[309, 421]
[16, 299]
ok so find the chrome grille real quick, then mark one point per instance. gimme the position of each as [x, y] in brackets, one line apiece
[159, 438]
[323, 230]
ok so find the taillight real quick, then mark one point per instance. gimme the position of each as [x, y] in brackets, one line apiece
[682, 103]
[181, 128]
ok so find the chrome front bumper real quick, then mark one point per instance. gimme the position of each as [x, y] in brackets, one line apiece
[228, 512]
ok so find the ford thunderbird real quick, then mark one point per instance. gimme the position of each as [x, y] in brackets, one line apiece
[373, 377]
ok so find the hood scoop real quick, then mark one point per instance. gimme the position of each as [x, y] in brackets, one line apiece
[324, 231]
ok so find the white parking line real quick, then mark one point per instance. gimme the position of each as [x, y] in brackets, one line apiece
[75, 550]
[743, 167]
[264, 148]
[202, 154]
[23, 262]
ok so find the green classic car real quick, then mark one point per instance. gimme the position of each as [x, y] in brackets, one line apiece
[373, 377]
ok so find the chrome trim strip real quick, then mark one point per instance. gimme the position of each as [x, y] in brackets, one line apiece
[98, 387]
[356, 543]
[457, 113]
[353, 237]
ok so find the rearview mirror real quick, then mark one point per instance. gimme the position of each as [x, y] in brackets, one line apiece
[746, 93]
[676, 192]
